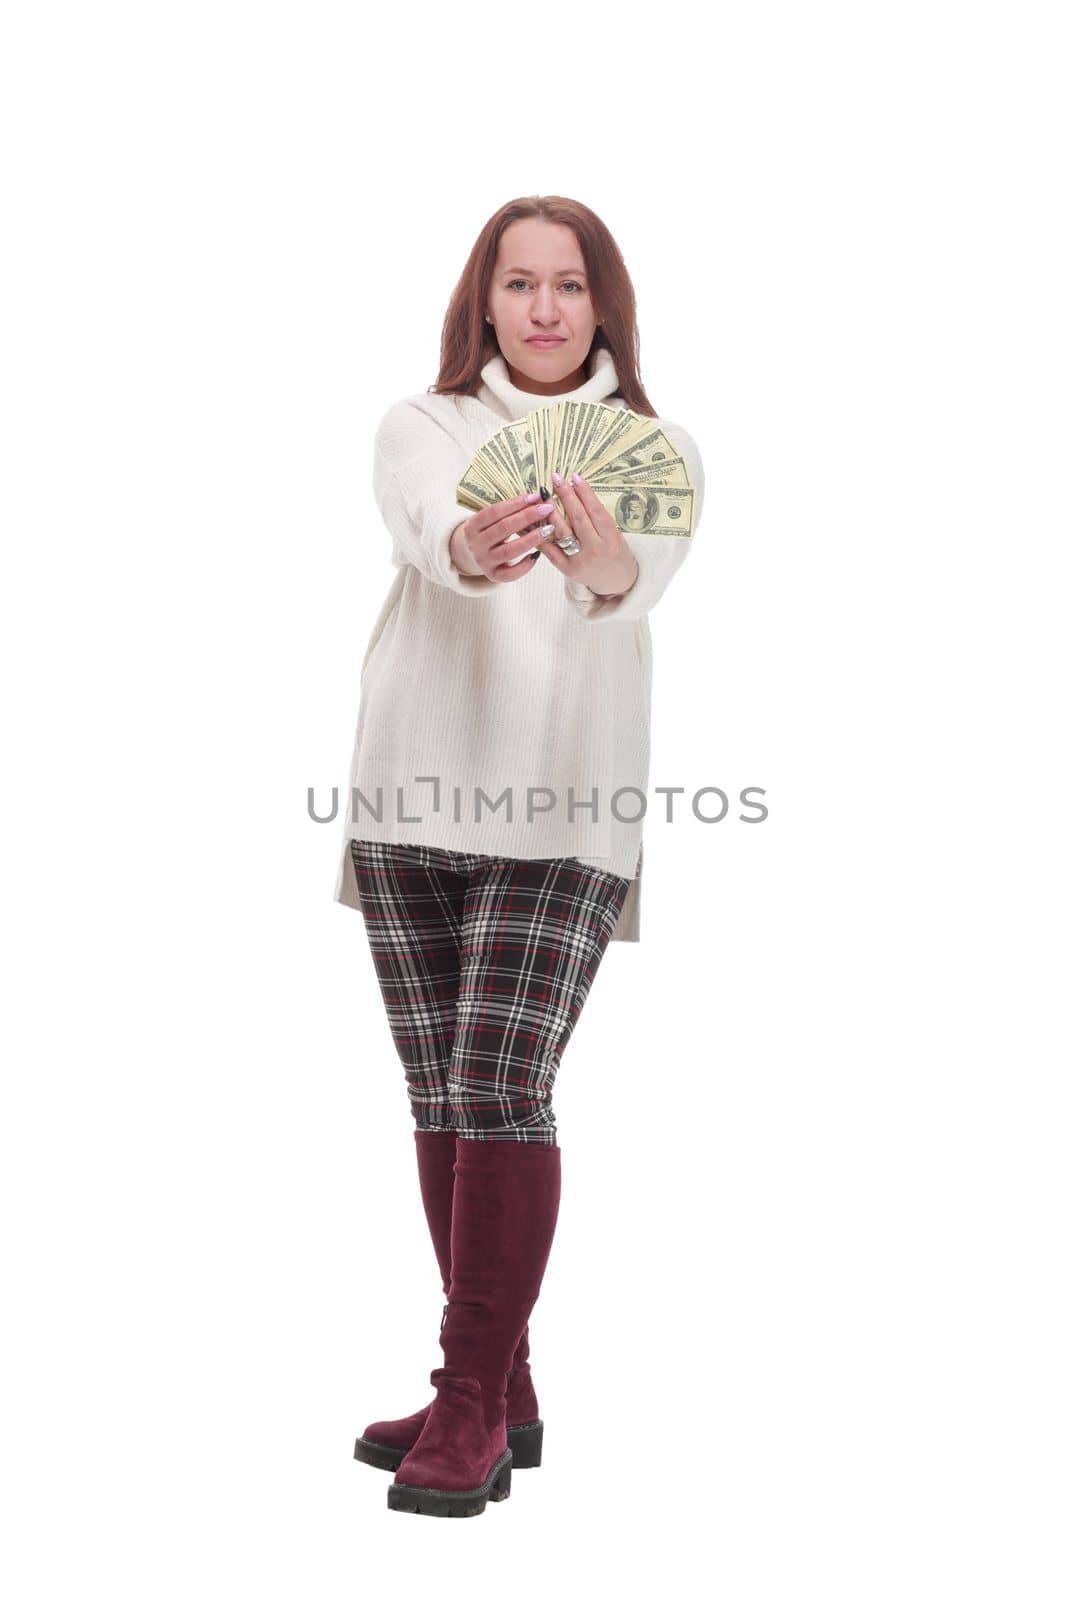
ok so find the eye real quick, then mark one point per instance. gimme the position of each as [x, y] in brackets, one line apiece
[570, 281]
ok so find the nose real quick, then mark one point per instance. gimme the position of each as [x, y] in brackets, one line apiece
[545, 310]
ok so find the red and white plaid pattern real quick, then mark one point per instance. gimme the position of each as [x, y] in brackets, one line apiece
[484, 963]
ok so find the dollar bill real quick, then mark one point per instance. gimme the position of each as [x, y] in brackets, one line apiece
[626, 458]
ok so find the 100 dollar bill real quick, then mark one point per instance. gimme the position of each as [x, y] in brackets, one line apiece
[653, 509]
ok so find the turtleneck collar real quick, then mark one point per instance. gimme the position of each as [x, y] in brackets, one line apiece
[499, 393]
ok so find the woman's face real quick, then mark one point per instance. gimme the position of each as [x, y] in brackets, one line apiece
[539, 287]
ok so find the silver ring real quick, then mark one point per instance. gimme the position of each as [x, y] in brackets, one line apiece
[569, 545]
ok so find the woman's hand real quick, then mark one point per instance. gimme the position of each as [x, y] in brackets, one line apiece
[480, 547]
[605, 561]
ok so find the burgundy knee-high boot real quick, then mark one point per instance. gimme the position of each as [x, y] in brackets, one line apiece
[504, 1209]
[384, 1444]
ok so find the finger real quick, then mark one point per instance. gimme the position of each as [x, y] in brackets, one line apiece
[506, 571]
[483, 542]
[533, 539]
[592, 505]
[519, 522]
[555, 556]
[501, 509]
[579, 518]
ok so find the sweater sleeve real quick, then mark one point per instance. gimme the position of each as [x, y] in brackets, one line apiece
[658, 556]
[416, 469]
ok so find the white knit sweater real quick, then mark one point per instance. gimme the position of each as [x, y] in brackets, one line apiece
[533, 686]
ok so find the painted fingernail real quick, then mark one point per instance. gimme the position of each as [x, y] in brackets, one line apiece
[530, 498]
[544, 493]
[575, 478]
[556, 479]
[535, 555]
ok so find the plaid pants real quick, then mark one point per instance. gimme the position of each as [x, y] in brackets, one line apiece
[484, 963]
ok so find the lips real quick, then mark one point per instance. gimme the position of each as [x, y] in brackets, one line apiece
[545, 339]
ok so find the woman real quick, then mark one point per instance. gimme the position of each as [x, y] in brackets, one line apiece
[504, 706]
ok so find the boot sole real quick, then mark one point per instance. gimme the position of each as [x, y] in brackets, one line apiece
[525, 1440]
[454, 1502]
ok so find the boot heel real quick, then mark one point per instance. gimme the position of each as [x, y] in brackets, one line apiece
[501, 1489]
[524, 1441]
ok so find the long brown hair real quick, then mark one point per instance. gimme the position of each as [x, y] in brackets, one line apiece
[468, 341]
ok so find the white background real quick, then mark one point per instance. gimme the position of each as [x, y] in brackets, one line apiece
[802, 1331]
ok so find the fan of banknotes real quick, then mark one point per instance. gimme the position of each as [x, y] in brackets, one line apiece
[626, 458]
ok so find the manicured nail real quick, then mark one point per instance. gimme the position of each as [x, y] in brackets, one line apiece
[530, 498]
[544, 493]
[576, 479]
[535, 555]
[556, 479]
